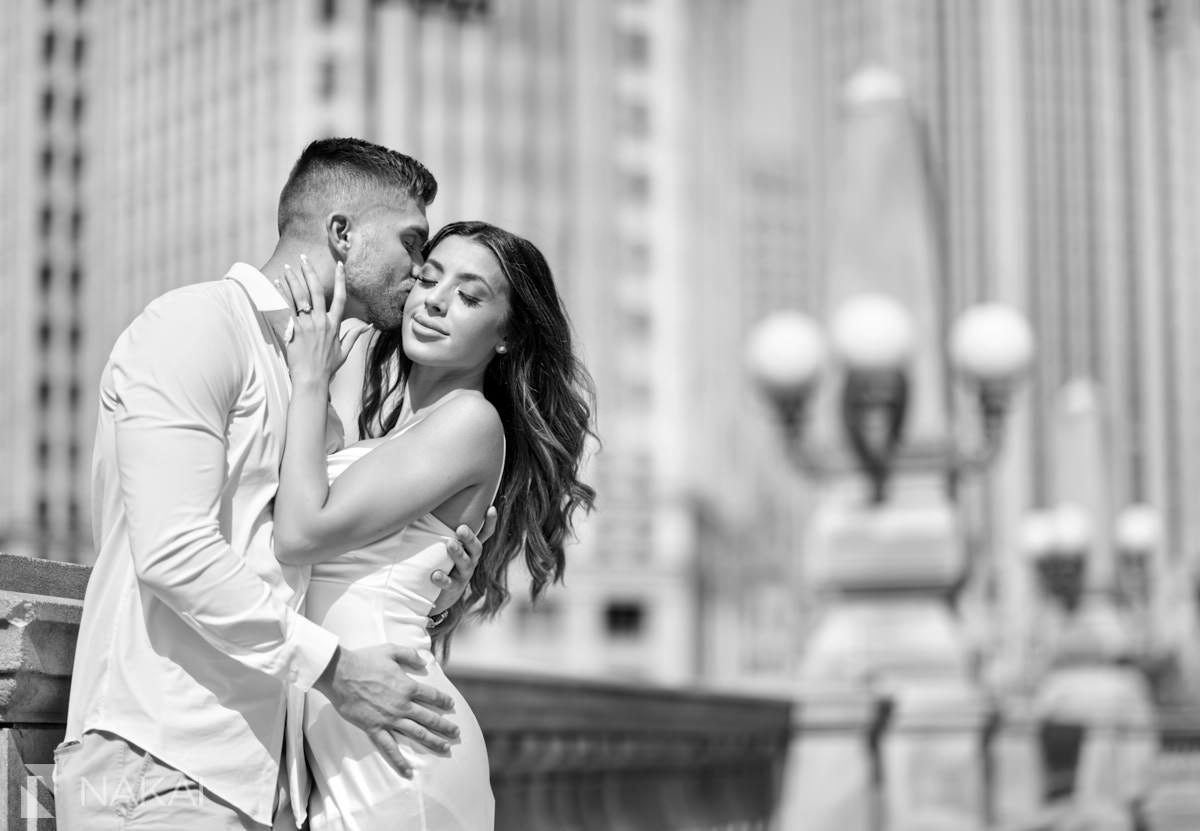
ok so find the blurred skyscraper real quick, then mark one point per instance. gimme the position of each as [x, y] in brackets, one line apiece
[46, 151]
[610, 132]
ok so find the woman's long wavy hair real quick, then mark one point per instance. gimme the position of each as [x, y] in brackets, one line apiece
[544, 397]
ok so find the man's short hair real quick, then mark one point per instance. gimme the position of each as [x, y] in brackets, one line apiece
[330, 171]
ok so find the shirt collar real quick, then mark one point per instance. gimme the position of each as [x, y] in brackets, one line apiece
[262, 293]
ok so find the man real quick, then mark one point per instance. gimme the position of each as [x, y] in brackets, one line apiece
[191, 637]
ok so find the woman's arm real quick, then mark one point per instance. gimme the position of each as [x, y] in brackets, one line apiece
[457, 448]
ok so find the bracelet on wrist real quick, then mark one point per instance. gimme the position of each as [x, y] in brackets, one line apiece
[437, 620]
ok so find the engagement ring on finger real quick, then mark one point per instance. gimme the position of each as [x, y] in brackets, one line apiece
[305, 310]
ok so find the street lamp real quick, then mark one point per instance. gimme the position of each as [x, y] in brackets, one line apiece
[1057, 541]
[1137, 534]
[872, 337]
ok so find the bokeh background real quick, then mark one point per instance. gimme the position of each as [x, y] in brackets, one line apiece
[677, 161]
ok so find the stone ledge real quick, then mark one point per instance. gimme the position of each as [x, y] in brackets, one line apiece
[43, 577]
[37, 639]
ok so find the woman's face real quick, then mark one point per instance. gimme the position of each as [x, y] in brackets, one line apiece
[456, 314]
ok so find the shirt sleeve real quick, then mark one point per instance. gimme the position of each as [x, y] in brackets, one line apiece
[176, 376]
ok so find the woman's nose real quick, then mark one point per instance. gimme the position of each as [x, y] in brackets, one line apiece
[435, 300]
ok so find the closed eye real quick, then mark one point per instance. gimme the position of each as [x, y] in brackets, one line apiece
[469, 299]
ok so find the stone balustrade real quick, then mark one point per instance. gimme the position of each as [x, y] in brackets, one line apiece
[565, 754]
[572, 755]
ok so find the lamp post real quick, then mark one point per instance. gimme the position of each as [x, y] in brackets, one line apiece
[990, 346]
[891, 566]
[887, 559]
[1138, 533]
[1094, 651]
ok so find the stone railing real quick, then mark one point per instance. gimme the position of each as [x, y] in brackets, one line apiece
[565, 754]
[574, 756]
[1172, 801]
[40, 604]
[571, 755]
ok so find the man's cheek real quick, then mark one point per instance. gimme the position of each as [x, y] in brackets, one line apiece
[406, 287]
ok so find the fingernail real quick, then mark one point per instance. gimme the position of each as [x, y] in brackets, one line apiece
[426, 656]
[304, 258]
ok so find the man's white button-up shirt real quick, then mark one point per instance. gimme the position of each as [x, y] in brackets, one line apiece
[190, 631]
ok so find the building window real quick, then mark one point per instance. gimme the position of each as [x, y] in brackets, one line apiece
[624, 618]
[73, 514]
[45, 277]
[633, 47]
[637, 393]
[328, 79]
[637, 324]
[44, 335]
[43, 514]
[461, 9]
[47, 161]
[43, 394]
[73, 396]
[76, 279]
[637, 257]
[49, 42]
[74, 337]
[79, 53]
[329, 10]
[77, 106]
[43, 452]
[636, 185]
[46, 220]
[76, 166]
[634, 118]
[47, 104]
[76, 225]
[541, 621]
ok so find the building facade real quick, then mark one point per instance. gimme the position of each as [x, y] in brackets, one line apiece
[46, 157]
[608, 132]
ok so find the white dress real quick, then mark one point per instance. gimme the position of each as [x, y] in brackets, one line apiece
[375, 594]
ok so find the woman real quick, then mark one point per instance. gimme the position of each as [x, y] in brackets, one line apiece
[480, 398]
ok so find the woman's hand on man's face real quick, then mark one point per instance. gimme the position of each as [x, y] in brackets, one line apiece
[315, 349]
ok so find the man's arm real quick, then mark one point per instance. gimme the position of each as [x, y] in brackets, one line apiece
[176, 377]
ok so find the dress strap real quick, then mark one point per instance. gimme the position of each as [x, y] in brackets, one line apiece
[503, 459]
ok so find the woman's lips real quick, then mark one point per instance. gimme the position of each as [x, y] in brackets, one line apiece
[424, 327]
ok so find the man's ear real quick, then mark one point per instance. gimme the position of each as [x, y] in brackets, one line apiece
[337, 229]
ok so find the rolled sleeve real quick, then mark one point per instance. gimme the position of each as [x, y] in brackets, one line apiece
[176, 376]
